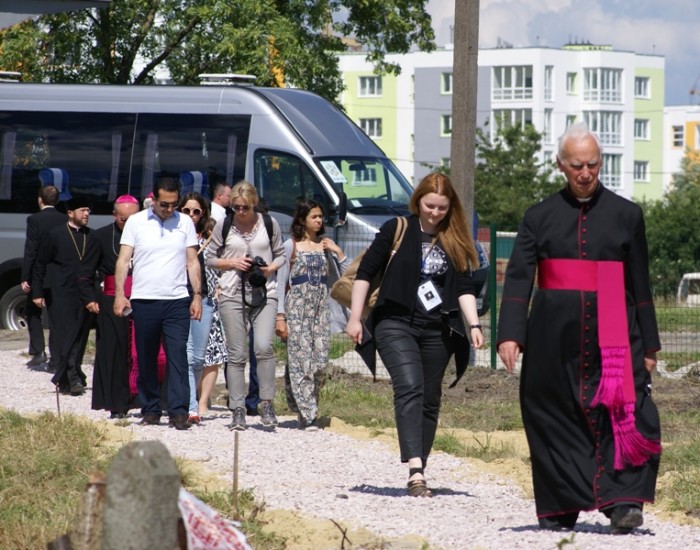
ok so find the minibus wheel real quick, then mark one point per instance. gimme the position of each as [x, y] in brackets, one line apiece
[12, 309]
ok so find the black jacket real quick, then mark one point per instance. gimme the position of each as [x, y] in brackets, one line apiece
[38, 225]
[400, 285]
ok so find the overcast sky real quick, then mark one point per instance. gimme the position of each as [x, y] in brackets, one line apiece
[665, 27]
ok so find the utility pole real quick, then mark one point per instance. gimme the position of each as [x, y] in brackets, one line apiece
[464, 89]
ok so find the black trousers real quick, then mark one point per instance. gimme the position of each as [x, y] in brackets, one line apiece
[55, 325]
[37, 344]
[416, 355]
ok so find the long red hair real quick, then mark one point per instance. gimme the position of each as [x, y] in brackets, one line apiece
[453, 230]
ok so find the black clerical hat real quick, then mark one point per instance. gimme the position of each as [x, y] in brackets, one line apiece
[77, 202]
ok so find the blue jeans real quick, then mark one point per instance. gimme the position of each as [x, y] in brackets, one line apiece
[197, 347]
[169, 321]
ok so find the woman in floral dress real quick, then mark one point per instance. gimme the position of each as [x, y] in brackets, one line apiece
[216, 353]
[303, 317]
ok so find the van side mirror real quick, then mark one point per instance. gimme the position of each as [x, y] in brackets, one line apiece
[342, 209]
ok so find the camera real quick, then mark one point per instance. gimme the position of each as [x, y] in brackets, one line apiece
[256, 277]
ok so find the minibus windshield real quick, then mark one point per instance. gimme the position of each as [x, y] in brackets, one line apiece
[372, 185]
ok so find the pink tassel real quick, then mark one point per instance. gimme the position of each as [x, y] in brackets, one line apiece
[631, 447]
[610, 389]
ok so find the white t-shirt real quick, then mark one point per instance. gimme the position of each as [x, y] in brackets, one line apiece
[160, 254]
[218, 212]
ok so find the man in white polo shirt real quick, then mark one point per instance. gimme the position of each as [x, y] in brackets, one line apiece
[163, 245]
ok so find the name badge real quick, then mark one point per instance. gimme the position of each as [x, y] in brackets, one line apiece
[429, 296]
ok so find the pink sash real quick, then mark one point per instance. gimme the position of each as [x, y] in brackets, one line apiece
[109, 288]
[616, 388]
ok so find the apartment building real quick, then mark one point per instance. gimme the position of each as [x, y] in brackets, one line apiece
[619, 94]
[681, 138]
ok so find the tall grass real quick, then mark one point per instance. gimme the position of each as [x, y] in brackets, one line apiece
[45, 465]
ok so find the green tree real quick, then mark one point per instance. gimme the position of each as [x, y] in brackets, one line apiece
[672, 229]
[689, 174]
[508, 178]
[290, 41]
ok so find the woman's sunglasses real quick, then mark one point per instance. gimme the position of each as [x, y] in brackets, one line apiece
[193, 212]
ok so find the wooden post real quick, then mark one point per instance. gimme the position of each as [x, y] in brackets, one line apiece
[236, 511]
[58, 401]
[464, 79]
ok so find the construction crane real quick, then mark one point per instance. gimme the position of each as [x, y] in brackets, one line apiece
[694, 92]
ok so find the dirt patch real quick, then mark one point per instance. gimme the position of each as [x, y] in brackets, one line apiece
[302, 533]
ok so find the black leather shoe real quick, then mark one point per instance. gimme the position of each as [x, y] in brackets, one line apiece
[561, 522]
[180, 422]
[38, 359]
[150, 419]
[625, 518]
[77, 389]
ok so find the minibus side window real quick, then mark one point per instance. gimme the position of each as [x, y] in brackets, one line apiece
[200, 150]
[283, 179]
[88, 152]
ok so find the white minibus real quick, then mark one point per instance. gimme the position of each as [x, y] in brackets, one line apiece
[103, 141]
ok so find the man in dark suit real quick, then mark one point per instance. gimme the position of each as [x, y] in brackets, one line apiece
[38, 224]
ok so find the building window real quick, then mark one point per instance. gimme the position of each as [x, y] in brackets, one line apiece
[548, 157]
[548, 136]
[570, 83]
[548, 83]
[570, 119]
[366, 177]
[370, 86]
[602, 85]
[607, 124]
[641, 170]
[446, 125]
[512, 82]
[641, 87]
[641, 128]
[678, 136]
[511, 117]
[446, 83]
[611, 171]
[372, 127]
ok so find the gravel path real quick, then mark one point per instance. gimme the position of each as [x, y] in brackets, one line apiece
[361, 483]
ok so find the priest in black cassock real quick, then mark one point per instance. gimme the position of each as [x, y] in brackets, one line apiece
[114, 366]
[589, 343]
[69, 247]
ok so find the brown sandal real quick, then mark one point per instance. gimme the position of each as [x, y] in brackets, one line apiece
[418, 488]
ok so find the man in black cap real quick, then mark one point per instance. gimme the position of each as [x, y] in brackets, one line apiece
[68, 247]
